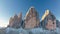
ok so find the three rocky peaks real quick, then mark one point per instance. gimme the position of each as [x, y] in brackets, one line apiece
[32, 20]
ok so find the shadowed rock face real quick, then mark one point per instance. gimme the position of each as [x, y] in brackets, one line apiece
[58, 23]
[49, 21]
[16, 21]
[31, 19]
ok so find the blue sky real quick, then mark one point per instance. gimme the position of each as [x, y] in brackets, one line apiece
[9, 7]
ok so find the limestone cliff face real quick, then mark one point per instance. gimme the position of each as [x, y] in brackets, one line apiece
[15, 21]
[31, 18]
[48, 20]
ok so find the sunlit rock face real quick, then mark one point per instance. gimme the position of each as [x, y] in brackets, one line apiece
[48, 21]
[31, 19]
[15, 21]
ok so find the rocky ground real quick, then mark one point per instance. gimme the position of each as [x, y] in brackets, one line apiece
[30, 31]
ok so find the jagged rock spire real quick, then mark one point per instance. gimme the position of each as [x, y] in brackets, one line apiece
[31, 18]
[10, 22]
[48, 20]
[47, 12]
[16, 21]
[31, 10]
[20, 19]
[20, 15]
[15, 16]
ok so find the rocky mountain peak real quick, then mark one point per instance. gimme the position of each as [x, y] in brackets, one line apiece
[20, 15]
[15, 21]
[47, 12]
[31, 18]
[49, 20]
[30, 11]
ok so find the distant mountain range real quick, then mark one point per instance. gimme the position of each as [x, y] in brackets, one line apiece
[32, 20]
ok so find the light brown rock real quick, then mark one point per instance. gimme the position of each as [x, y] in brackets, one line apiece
[31, 19]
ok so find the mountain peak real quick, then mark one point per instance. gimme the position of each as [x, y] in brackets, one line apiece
[31, 9]
[20, 15]
[45, 14]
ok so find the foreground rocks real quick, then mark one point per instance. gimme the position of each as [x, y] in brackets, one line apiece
[30, 31]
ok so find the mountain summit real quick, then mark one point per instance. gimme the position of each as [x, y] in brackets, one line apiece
[48, 20]
[15, 22]
[31, 18]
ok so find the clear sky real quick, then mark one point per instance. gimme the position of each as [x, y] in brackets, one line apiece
[9, 7]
